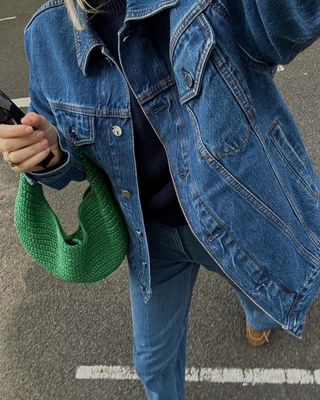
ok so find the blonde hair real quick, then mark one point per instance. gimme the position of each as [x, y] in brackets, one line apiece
[84, 5]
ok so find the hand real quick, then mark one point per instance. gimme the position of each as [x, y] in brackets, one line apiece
[27, 147]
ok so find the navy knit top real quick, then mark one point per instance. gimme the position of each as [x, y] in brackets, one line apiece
[157, 194]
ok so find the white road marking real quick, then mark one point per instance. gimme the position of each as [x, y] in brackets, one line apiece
[245, 376]
[24, 102]
[6, 19]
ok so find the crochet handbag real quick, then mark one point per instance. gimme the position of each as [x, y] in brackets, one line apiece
[90, 254]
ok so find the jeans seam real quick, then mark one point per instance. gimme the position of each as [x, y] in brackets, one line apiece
[179, 243]
[185, 322]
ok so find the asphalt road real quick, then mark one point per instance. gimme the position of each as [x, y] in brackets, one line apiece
[49, 328]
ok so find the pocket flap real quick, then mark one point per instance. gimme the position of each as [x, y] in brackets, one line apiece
[75, 124]
[189, 54]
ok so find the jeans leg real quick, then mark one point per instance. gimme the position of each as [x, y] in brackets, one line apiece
[255, 317]
[160, 325]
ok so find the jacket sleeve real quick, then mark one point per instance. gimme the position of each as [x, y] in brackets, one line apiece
[275, 31]
[70, 169]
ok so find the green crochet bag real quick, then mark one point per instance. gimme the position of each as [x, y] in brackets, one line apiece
[90, 254]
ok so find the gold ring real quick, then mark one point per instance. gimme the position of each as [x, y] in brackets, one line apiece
[6, 158]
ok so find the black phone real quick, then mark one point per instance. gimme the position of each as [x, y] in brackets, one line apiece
[11, 114]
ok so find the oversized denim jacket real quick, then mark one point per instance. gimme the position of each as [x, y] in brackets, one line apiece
[242, 174]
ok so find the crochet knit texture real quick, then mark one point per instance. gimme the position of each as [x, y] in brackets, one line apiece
[94, 251]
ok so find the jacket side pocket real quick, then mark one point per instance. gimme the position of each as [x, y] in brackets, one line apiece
[296, 159]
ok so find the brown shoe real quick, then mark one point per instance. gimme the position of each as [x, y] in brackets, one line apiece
[257, 338]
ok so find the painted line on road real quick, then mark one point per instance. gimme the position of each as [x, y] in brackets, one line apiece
[7, 18]
[23, 102]
[246, 376]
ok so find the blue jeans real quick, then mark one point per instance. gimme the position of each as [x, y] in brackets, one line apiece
[160, 325]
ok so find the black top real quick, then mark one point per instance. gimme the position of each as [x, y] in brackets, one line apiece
[157, 194]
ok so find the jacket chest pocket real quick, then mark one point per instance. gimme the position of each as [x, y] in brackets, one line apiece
[77, 127]
[189, 51]
[210, 85]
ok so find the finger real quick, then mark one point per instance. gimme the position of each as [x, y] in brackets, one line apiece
[21, 155]
[8, 131]
[13, 144]
[31, 164]
[36, 121]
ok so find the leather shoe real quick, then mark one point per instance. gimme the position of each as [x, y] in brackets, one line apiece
[257, 338]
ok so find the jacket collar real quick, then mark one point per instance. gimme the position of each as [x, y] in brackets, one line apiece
[88, 39]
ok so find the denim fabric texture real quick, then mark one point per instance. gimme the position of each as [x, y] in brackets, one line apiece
[160, 325]
[242, 174]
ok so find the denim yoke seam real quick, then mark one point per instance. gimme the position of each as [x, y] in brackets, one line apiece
[89, 112]
[157, 89]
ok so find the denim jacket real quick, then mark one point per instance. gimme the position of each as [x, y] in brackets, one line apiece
[242, 174]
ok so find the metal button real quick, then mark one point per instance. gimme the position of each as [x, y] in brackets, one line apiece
[126, 194]
[116, 130]
[188, 77]
[144, 263]
[73, 136]
[215, 234]
[182, 174]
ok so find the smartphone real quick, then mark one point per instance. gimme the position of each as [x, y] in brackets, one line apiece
[10, 114]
